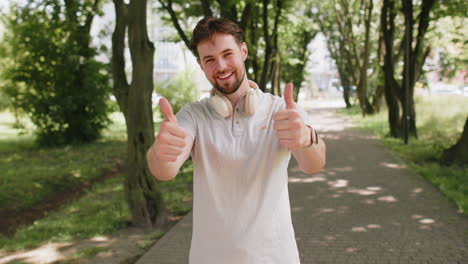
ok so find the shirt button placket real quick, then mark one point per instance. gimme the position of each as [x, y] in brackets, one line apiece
[237, 125]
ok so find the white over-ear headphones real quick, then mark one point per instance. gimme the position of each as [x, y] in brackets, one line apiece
[223, 106]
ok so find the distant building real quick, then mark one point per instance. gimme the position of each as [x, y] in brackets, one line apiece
[322, 68]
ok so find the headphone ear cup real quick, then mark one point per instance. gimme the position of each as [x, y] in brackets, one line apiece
[222, 105]
[251, 102]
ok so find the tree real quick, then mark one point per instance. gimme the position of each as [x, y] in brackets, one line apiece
[399, 92]
[259, 19]
[53, 76]
[299, 25]
[134, 99]
[347, 25]
[458, 153]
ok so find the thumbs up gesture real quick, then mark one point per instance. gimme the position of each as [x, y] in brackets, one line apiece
[170, 141]
[290, 128]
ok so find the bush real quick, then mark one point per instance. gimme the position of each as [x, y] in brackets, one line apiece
[179, 91]
[53, 76]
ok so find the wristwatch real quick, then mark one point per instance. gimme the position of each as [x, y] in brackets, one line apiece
[313, 136]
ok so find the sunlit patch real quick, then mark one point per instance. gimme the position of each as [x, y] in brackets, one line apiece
[388, 199]
[336, 196]
[296, 209]
[343, 169]
[331, 173]
[327, 210]
[48, 252]
[417, 216]
[427, 221]
[352, 250]
[361, 191]
[99, 239]
[374, 188]
[338, 183]
[359, 229]
[369, 201]
[330, 238]
[295, 169]
[307, 180]
[393, 165]
[329, 136]
[425, 227]
[417, 190]
[76, 173]
[374, 226]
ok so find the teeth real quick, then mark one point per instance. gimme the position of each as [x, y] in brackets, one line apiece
[225, 76]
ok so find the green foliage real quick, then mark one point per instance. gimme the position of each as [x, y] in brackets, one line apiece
[298, 25]
[52, 74]
[440, 123]
[178, 91]
[102, 210]
[450, 37]
[52, 171]
[177, 193]
[99, 212]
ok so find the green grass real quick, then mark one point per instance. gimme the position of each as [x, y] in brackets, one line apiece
[89, 252]
[32, 174]
[439, 120]
[101, 211]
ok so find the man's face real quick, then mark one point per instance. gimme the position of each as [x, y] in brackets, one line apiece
[222, 61]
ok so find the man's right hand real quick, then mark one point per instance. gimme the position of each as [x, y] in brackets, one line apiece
[170, 141]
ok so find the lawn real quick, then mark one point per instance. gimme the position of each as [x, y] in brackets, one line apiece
[32, 176]
[439, 121]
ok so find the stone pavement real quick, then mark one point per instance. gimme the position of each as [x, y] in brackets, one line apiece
[365, 207]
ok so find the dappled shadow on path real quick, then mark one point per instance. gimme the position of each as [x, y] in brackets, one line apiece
[367, 207]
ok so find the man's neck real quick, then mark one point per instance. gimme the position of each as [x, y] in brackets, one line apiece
[235, 97]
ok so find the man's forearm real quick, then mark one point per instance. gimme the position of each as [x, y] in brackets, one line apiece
[311, 159]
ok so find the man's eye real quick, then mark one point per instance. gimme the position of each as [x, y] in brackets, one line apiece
[209, 60]
[228, 54]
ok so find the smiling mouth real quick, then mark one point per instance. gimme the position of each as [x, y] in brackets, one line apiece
[225, 76]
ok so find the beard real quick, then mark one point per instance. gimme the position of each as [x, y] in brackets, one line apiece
[231, 88]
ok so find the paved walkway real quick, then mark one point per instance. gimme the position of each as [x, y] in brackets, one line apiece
[366, 207]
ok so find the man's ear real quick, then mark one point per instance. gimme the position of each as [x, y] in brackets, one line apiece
[244, 51]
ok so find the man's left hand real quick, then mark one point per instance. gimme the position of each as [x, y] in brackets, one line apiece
[290, 128]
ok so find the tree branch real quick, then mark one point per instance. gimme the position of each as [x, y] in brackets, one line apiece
[175, 21]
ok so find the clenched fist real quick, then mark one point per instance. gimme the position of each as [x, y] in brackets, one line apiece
[290, 128]
[170, 141]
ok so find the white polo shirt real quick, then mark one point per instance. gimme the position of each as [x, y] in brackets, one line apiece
[241, 211]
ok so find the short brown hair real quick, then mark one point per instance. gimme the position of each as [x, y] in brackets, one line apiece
[208, 26]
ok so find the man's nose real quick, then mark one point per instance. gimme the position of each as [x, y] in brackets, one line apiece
[221, 65]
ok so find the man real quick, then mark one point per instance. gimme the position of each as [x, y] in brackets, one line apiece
[241, 141]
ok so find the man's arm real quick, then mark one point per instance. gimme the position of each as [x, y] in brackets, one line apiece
[311, 159]
[293, 133]
[171, 148]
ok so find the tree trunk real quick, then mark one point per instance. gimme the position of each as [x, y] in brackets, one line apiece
[458, 153]
[144, 200]
[391, 92]
[366, 106]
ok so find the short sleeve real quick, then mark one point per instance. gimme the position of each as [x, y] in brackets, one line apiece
[186, 120]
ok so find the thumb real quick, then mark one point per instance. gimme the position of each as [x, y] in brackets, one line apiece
[288, 96]
[166, 109]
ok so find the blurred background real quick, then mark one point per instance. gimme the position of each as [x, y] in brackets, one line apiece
[80, 82]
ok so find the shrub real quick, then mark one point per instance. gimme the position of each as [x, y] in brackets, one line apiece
[54, 77]
[179, 91]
